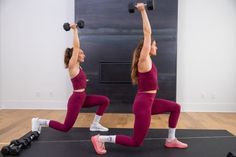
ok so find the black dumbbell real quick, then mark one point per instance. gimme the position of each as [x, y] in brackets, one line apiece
[230, 154]
[33, 136]
[28, 139]
[18, 148]
[7, 149]
[132, 5]
[80, 24]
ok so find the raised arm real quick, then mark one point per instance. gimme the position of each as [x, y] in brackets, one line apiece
[147, 31]
[76, 47]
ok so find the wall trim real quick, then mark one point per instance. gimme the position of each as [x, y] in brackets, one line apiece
[61, 105]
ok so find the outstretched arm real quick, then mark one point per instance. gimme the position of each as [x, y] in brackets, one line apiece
[147, 31]
[76, 43]
[76, 47]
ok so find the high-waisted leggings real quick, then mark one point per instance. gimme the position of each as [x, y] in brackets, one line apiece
[144, 106]
[77, 101]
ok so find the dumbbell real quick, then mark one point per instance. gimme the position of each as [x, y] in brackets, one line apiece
[80, 24]
[230, 154]
[16, 149]
[132, 5]
[7, 149]
[33, 136]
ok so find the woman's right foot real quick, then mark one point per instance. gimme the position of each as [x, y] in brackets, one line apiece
[35, 125]
[97, 127]
[174, 143]
[98, 146]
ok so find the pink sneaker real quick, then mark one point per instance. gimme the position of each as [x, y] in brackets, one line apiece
[98, 146]
[175, 144]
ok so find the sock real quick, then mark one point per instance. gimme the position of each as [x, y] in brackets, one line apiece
[171, 133]
[96, 119]
[110, 139]
[44, 122]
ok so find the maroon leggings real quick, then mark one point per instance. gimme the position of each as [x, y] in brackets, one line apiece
[77, 101]
[144, 106]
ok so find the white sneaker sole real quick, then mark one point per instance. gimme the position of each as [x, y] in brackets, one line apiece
[91, 129]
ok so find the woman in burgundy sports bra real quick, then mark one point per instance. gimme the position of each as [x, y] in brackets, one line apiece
[144, 74]
[79, 99]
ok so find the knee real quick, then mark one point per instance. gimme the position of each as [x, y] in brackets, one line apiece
[66, 128]
[177, 108]
[137, 143]
[106, 100]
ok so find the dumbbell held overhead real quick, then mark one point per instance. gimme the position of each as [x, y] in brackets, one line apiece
[80, 24]
[132, 5]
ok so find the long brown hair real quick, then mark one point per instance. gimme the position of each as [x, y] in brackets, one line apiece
[135, 60]
[67, 56]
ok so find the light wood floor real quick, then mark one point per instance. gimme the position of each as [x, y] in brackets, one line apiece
[15, 123]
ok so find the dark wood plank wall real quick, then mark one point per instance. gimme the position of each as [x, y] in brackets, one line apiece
[108, 40]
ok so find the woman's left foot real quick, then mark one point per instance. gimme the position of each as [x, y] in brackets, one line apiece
[98, 145]
[174, 143]
[97, 127]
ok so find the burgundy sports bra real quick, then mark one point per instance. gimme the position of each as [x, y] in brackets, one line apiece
[79, 81]
[148, 80]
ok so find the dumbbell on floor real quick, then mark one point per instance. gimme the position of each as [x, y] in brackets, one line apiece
[16, 146]
[16, 149]
[132, 5]
[80, 24]
[33, 136]
[7, 149]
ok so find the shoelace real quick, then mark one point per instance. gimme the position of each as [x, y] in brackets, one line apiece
[101, 144]
[99, 127]
[179, 142]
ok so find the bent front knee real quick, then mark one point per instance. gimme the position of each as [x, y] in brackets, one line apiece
[106, 101]
[177, 108]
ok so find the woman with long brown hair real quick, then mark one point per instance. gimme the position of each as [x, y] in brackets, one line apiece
[144, 74]
[73, 59]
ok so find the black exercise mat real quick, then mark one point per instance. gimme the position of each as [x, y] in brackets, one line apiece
[208, 147]
[49, 134]
[76, 143]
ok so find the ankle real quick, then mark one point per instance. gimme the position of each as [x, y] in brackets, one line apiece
[43, 122]
[170, 139]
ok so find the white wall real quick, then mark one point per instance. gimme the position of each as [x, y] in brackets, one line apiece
[32, 44]
[0, 53]
[32, 50]
[206, 74]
